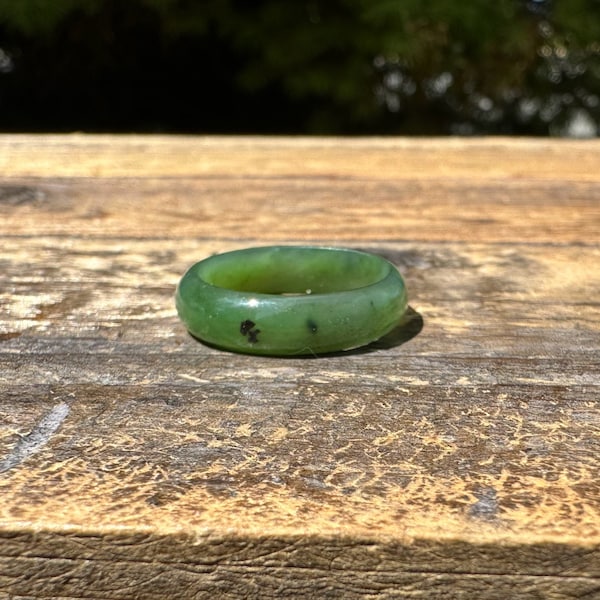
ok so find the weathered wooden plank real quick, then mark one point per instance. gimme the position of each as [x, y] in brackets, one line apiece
[380, 369]
[484, 463]
[472, 299]
[457, 458]
[357, 208]
[384, 158]
[206, 551]
[114, 580]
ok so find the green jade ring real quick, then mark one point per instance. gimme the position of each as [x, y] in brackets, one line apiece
[291, 300]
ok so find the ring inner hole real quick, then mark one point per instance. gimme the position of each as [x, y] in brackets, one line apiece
[294, 272]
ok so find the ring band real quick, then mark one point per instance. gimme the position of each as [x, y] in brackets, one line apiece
[291, 300]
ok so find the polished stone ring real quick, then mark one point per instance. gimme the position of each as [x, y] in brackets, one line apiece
[291, 300]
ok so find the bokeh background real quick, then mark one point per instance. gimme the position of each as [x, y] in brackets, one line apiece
[397, 67]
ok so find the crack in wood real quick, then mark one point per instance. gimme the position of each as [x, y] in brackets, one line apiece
[37, 438]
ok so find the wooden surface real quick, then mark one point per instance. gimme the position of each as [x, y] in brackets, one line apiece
[458, 458]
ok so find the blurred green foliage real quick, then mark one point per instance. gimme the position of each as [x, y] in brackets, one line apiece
[311, 66]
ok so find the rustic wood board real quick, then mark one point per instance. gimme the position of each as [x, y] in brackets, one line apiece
[458, 457]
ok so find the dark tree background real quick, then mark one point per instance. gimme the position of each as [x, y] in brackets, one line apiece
[529, 67]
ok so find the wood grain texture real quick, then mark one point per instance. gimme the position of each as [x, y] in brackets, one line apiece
[455, 458]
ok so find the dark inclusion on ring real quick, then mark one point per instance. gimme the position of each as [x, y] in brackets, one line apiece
[312, 326]
[247, 329]
[246, 326]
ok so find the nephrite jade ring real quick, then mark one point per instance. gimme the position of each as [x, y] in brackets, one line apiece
[291, 300]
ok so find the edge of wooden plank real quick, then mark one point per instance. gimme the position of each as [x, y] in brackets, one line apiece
[83, 155]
